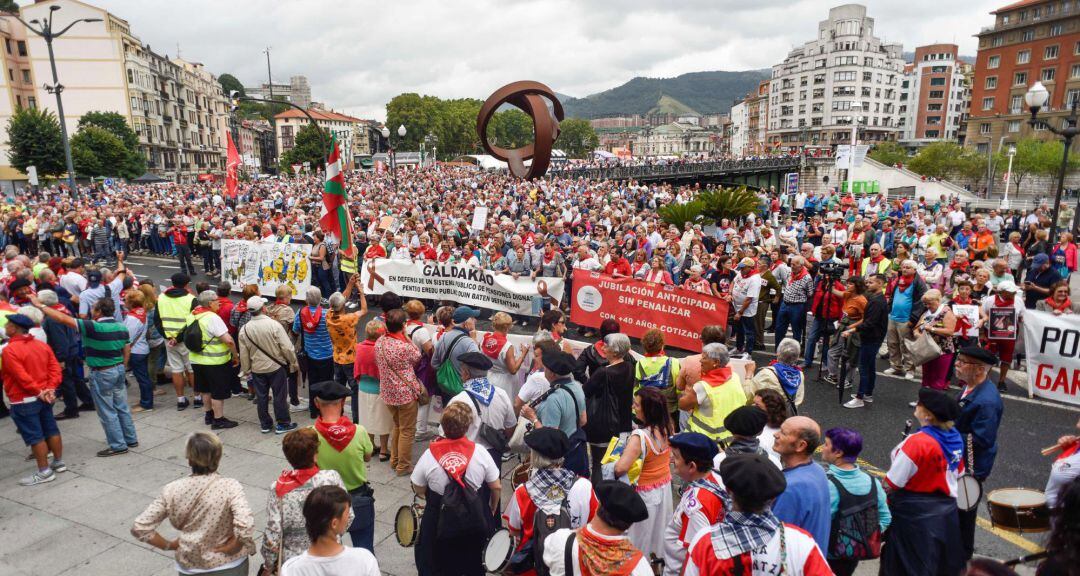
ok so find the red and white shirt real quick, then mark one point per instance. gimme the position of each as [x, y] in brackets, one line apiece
[801, 556]
[919, 465]
[698, 509]
[520, 511]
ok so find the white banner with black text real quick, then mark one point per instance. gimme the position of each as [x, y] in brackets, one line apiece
[1052, 346]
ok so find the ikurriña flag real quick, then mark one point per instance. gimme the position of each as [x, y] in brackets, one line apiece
[335, 218]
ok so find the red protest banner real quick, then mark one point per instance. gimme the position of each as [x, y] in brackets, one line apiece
[639, 306]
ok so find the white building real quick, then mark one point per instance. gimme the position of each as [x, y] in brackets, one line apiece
[814, 90]
[934, 96]
[740, 129]
[675, 139]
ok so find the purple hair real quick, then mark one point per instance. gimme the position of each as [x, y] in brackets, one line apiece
[846, 441]
[608, 326]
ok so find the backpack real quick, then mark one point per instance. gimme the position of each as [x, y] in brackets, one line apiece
[855, 533]
[661, 380]
[424, 372]
[544, 525]
[461, 513]
[447, 375]
[192, 335]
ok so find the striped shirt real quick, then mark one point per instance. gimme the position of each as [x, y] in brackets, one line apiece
[103, 340]
[317, 343]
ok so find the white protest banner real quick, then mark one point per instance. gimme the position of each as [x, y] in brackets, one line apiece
[461, 284]
[267, 265]
[479, 218]
[1052, 346]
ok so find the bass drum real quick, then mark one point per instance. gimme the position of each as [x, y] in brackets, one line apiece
[407, 524]
[498, 550]
[968, 492]
[1019, 510]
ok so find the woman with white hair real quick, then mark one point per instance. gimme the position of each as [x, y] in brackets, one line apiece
[310, 326]
[940, 323]
[342, 329]
[609, 398]
[784, 375]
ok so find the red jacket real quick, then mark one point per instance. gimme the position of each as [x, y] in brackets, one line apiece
[29, 368]
[834, 306]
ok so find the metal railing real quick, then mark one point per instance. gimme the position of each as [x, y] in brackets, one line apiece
[679, 169]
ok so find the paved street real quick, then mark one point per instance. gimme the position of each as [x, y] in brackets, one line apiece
[79, 523]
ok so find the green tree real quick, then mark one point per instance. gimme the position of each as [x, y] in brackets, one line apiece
[510, 129]
[9, 6]
[34, 140]
[682, 215]
[973, 166]
[889, 153]
[229, 83]
[308, 147]
[134, 163]
[98, 152]
[730, 203]
[937, 160]
[577, 138]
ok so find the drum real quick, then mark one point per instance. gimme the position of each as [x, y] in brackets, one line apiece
[968, 492]
[407, 524]
[520, 474]
[498, 550]
[1019, 510]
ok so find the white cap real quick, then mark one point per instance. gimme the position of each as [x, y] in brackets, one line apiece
[1007, 286]
[256, 302]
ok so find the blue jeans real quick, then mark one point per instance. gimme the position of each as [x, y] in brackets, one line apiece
[793, 315]
[140, 367]
[867, 367]
[110, 401]
[819, 330]
[747, 333]
[362, 529]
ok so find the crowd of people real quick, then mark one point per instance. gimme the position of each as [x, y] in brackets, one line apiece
[636, 463]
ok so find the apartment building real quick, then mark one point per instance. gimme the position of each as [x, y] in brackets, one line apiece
[351, 132]
[934, 96]
[17, 83]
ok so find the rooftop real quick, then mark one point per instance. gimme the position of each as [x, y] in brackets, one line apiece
[317, 114]
[1015, 5]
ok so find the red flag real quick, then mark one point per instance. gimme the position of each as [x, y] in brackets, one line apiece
[232, 162]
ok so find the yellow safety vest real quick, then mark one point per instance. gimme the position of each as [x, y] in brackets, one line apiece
[214, 352]
[708, 417]
[174, 313]
[347, 265]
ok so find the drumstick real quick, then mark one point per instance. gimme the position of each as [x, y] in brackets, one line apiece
[1051, 449]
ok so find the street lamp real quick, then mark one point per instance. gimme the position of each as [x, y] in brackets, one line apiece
[45, 30]
[1037, 97]
[1008, 178]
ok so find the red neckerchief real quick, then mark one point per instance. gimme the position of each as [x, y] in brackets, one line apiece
[309, 319]
[902, 282]
[877, 259]
[199, 310]
[281, 302]
[1019, 248]
[338, 434]
[241, 307]
[549, 256]
[959, 266]
[802, 274]
[453, 456]
[1000, 303]
[60, 307]
[1060, 308]
[1068, 451]
[292, 479]
[962, 322]
[717, 376]
[398, 336]
[139, 312]
[600, 348]
[493, 344]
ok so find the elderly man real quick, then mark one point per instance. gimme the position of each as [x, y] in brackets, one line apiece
[493, 413]
[1038, 281]
[64, 341]
[745, 294]
[716, 395]
[31, 374]
[214, 365]
[268, 354]
[904, 295]
[797, 292]
[805, 501]
[310, 325]
[877, 263]
[784, 375]
[456, 341]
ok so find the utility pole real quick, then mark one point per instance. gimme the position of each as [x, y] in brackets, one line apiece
[270, 85]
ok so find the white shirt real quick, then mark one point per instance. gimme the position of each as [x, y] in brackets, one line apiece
[591, 264]
[745, 289]
[956, 217]
[801, 555]
[1062, 472]
[73, 282]
[419, 335]
[400, 253]
[499, 415]
[535, 385]
[555, 553]
[481, 470]
[350, 562]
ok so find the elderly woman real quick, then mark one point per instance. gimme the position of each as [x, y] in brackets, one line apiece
[658, 370]
[310, 326]
[342, 328]
[940, 323]
[656, 273]
[285, 536]
[367, 406]
[783, 375]
[640, 268]
[506, 359]
[1060, 301]
[210, 512]
[715, 395]
[399, 388]
[609, 398]
[932, 271]
[239, 314]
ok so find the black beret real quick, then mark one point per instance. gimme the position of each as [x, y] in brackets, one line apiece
[21, 320]
[18, 283]
[752, 477]
[940, 404]
[695, 446]
[621, 501]
[561, 363]
[329, 390]
[548, 442]
[477, 360]
[981, 354]
[746, 421]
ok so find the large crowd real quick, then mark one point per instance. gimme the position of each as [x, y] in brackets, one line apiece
[637, 463]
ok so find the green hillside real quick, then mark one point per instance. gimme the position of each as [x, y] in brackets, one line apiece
[703, 92]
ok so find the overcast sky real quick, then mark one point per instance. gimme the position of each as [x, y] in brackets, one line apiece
[359, 54]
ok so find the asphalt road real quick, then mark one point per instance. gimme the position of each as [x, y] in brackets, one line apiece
[1028, 425]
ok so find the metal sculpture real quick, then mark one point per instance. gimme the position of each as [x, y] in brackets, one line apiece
[531, 97]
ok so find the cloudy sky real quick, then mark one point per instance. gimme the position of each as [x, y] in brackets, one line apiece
[357, 54]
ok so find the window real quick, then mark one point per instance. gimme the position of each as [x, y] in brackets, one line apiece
[131, 76]
[1028, 36]
[26, 76]
[1070, 96]
[1048, 74]
[819, 63]
[31, 102]
[1055, 30]
[21, 47]
[991, 82]
[1020, 79]
[993, 62]
[846, 60]
[867, 76]
[1015, 104]
[7, 45]
[938, 69]
[933, 107]
[1075, 72]
[937, 94]
[988, 103]
[844, 76]
[1023, 57]
[1051, 52]
[937, 81]
[932, 134]
[997, 41]
[984, 128]
[1014, 126]
[933, 120]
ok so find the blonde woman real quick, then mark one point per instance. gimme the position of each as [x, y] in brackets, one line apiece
[1013, 253]
[210, 511]
[940, 323]
[506, 359]
[367, 406]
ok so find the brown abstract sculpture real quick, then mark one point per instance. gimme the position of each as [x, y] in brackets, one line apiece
[530, 97]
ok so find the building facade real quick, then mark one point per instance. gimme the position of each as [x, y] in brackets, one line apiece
[845, 73]
[740, 129]
[297, 91]
[255, 143]
[675, 139]
[348, 130]
[1030, 41]
[18, 85]
[934, 96]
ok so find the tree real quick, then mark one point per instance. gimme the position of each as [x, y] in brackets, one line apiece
[577, 138]
[730, 203]
[229, 83]
[98, 152]
[972, 165]
[34, 140]
[510, 129]
[889, 153]
[308, 148]
[133, 164]
[682, 215]
[937, 160]
[9, 6]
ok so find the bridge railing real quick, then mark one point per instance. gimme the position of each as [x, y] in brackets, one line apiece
[675, 170]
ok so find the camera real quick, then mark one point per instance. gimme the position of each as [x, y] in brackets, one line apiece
[833, 270]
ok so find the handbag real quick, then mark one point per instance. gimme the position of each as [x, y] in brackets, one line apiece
[614, 452]
[923, 349]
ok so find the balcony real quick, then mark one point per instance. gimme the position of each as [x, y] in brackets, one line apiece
[185, 165]
[166, 119]
[164, 94]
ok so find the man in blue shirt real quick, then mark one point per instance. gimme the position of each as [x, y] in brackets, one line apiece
[805, 501]
[563, 408]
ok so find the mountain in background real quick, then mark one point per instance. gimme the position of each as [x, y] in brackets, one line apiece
[701, 92]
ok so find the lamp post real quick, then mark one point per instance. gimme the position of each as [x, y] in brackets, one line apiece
[1037, 97]
[855, 107]
[45, 30]
[1008, 178]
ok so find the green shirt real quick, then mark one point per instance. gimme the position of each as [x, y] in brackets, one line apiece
[350, 461]
[103, 341]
